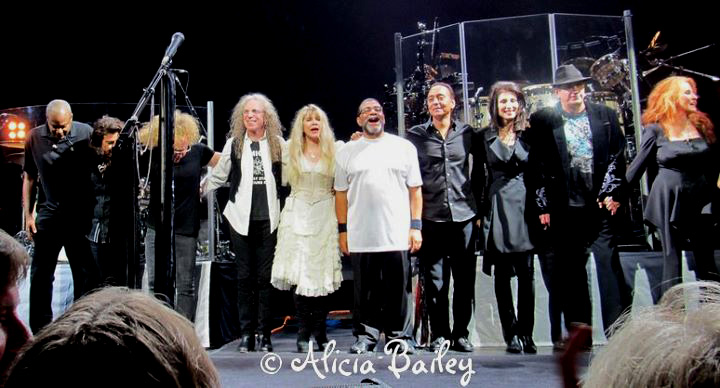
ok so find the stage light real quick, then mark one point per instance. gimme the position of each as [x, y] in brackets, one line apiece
[21, 126]
[21, 134]
[12, 135]
[12, 125]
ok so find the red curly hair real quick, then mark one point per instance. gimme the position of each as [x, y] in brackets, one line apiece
[662, 107]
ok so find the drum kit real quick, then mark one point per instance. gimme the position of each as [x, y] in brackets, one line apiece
[610, 86]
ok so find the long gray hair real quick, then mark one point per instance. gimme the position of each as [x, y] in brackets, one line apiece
[273, 128]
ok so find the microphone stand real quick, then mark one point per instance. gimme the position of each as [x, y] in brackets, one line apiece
[191, 107]
[124, 189]
[665, 63]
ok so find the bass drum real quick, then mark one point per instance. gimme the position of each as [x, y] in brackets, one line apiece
[481, 112]
[608, 99]
[539, 96]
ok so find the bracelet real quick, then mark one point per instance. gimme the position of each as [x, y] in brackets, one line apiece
[416, 224]
[342, 228]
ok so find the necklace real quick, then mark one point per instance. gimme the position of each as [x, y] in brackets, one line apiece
[312, 155]
[508, 138]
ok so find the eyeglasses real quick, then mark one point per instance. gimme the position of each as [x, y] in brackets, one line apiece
[368, 109]
[253, 111]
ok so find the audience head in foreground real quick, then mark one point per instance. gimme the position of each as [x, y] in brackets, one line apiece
[13, 333]
[673, 344]
[115, 337]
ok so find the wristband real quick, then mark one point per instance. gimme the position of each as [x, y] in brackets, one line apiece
[342, 228]
[416, 224]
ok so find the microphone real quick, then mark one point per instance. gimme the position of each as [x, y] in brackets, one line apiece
[647, 72]
[176, 41]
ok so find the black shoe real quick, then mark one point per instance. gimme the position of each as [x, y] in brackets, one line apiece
[246, 344]
[514, 345]
[321, 343]
[462, 344]
[528, 344]
[405, 346]
[303, 346]
[265, 344]
[361, 346]
[437, 344]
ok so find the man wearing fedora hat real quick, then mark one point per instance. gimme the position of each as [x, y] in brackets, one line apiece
[580, 168]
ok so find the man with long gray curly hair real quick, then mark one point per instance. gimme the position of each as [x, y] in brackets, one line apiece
[252, 162]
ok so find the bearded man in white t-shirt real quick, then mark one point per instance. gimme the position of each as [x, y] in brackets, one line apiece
[379, 204]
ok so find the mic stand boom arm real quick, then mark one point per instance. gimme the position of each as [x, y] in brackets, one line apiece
[666, 63]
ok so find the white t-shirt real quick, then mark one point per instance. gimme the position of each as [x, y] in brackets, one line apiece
[376, 174]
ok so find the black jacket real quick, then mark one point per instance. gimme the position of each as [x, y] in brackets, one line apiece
[551, 161]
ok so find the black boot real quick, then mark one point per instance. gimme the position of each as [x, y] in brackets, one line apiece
[303, 315]
[319, 323]
[303, 338]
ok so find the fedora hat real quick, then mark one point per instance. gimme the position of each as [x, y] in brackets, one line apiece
[568, 74]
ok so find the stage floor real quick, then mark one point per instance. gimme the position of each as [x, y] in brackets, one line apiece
[284, 367]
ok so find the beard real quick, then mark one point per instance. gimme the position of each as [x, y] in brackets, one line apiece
[372, 131]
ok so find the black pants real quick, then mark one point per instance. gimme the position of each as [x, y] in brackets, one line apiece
[113, 267]
[553, 281]
[382, 295]
[254, 257]
[696, 236]
[85, 271]
[312, 313]
[573, 231]
[521, 265]
[448, 248]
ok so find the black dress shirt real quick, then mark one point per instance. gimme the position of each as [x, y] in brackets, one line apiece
[445, 169]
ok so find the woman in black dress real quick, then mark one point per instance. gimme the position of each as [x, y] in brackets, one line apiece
[677, 143]
[502, 206]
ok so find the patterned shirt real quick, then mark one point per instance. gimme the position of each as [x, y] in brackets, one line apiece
[578, 137]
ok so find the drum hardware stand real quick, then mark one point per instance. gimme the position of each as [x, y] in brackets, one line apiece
[660, 63]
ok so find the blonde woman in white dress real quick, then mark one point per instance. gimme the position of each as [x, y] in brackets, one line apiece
[307, 258]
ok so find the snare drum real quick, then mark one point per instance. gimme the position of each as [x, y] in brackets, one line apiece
[539, 96]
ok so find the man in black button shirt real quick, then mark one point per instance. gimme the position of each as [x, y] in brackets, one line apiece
[444, 147]
[58, 156]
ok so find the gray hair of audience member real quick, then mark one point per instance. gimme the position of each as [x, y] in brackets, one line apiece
[673, 344]
[13, 261]
[115, 337]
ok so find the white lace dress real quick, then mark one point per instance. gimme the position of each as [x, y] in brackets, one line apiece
[307, 253]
